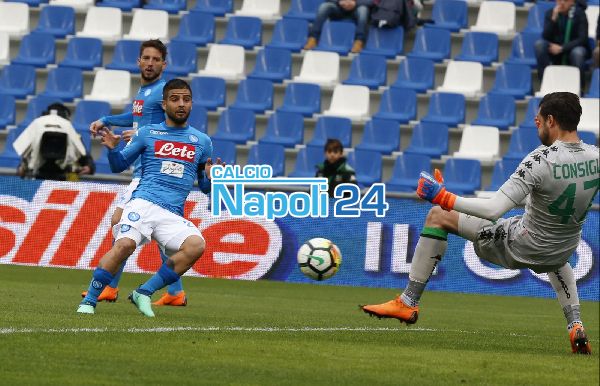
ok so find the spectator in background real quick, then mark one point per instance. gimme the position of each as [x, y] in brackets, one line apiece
[335, 168]
[394, 13]
[597, 49]
[564, 39]
[342, 9]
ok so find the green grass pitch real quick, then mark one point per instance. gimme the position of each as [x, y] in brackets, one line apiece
[272, 333]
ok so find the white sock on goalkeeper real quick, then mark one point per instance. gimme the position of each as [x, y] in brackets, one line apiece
[563, 282]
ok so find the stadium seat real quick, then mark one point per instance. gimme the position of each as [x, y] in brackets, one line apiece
[513, 80]
[216, 7]
[31, 3]
[590, 115]
[303, 98]
[367, 166]
[523, 140]
[197, 28]
[236, 125]
[273, 64]
[290, 34]
[255, 95]
[380, 135]
[56, 21]
[283, 128]
[322, 68]
[4, 48]
[14, 19]
[103, 23]
[181, 58]
[224, 150]
[307, 160]
[125, 56]
[35, 108]
[9, 157]
[447, 108]
[336, 36]
[559, 78]
[303, 9]
[463, 77]
[523, 49]
[530, 113]
[430, 139]
[399, 104]
[431, 43]
[87, 112]
[594, 90]
[496, 16]
[149, 24]
[367, 70]
[36, 49]
[65, 83]
[268, 154]
[449, 14]
[405, 175]
[243, 31]
[479, 47]
[496, 110]
[17, 80]
[462, 176]
[265, 9]
[7, 110]
[83, 53]
[124, 5]
[592, 15]
[588, 137]
[224, 61]
[415, 73]
[171, 6]
[198, 118]
[112, 86]
[535, 17]
[78, 5]
[86, 140]
[349, 101]
[388, 42]
[479, 142]
[208, 92]
[332, 127]
[503, 169]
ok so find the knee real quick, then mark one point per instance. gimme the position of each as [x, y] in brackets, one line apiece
[124, 247]
[577, 56]
[435, 217]
[362, 12]
[541, 47]
[326, 8]
[194, 246]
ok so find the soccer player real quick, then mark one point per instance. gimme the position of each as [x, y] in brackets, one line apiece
[559, 179]
[147, 108]
[173, 155]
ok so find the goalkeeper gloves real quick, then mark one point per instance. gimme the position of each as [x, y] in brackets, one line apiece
[433, 190]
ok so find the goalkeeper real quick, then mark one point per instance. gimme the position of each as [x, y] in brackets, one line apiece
[559, 179]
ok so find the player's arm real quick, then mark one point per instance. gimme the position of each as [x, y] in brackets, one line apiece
[123, 120]
[120, 160]
[204, 166]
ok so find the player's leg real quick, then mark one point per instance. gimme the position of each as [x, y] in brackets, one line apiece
[175, 295]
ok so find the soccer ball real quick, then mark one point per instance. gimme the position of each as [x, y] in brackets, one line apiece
[319, 258]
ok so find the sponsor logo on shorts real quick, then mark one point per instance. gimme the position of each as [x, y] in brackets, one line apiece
[133, 216]
[125, 228]
[138, 106]
[177, 150]
[96, 284]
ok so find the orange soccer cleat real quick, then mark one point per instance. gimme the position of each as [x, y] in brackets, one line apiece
[172, 300]
[579, 341]
[108, 294]
[393, 309]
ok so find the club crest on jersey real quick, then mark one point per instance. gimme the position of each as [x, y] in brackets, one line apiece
[193, 138]
[147, 92]
[177, 150]
[138, 106]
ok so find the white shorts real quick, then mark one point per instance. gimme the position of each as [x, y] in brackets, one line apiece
[126, 195]
[143, 221]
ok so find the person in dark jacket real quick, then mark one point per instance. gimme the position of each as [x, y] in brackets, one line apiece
[564, 39]
[335, 168]
[597, 49]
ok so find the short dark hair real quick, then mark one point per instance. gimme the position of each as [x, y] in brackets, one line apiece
[61, 110]
[333, 144]
[155, 43]
[175, 84]
[564, 107]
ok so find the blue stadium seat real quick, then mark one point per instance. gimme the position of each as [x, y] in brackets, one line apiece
[285, 129]
[496, 110]
[503, 169]
[399, 104]
[102, 165]
[17, 80]
[224, 150]
[447, 108]
[523, 49]
[87, 112]
[367, 166]
[7, 110]
[274, 64]
[307, 160]
[236, 125]
[332, 127]
[57, 21]
[535, 17]
[368, 70]
[124, 5]
[415, 73]
[125, 56]
[303, 98]
[197, 28]
[449, 14]
[594, 90]
[31, 3]
[36, 49]
[35, 108]
[522, 142]
[303, 9]
[198, 118]
[462, 176]
[431, 43]
[407, 169]
[380, 135]
[86, 139]
[290, 34]
[84, 53]
[208, 91]
[513, 80]
[532, 110]
[479, 47]
[268, 154]
[243, 31]
[336, 36]
[430, 139]
[65, 83]
[255, 95]
[9, 157]
[171, 6]
[388, 42]
[588, 137]
[181, 58]
[216, 7]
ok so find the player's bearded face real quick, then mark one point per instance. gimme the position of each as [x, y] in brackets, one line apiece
[179, 105]
[543, 130]
[151, 64]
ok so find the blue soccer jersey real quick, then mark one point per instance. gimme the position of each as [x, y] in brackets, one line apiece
[170, 157]
[146, 109]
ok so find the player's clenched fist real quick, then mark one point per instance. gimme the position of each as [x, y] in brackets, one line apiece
[433, 190]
